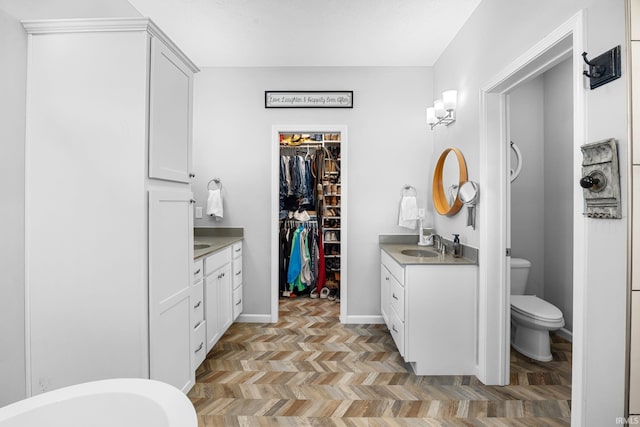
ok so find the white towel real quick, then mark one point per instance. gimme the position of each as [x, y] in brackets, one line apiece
[408, 212]
[214, 204]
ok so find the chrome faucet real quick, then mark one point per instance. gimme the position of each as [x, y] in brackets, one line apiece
[437, 242]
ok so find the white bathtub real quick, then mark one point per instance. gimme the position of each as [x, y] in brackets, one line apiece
[125, 402]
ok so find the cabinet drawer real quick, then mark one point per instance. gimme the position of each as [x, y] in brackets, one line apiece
[217, 260]
[394, 268]
[199, 345]
[198, 271]
[237, 250]
[396, 328]
[237, 272]
[237, 302]
[397, 298]
[198, 304]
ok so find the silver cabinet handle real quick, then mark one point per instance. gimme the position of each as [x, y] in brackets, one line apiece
[239, 273]
[239, 302]
[192, 175]
[394, 328]
[199, 347]
[386, 278]
[196, 272]
[394, 296]
[198, 304]
[238, 250]
[199, 323]
[192, 201]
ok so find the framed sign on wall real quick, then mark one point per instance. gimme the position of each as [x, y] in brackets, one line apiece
[308, 99]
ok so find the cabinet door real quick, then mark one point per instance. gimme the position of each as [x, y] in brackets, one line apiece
[225, 300]
[211, 285]
[170, 307]
[170, 109]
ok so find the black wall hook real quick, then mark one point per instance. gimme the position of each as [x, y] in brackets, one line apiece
[603, 68]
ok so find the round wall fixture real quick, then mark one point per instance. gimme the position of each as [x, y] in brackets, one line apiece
[440, 201]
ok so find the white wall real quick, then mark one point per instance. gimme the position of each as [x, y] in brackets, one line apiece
[498, 32]
[13, 50]
[526, 111]
[389, 145]
[558, 190]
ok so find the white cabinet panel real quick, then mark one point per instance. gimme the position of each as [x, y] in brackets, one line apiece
[170, 278]
[199, 344]
[397, 298]
[237, 302]
[198, 303]
[397, 330]
[385, 292]
[169, 116]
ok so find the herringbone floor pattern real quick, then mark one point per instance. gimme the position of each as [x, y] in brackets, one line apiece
[310, 370]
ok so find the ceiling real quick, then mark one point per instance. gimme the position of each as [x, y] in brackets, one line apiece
[310, 32]
[256, 33]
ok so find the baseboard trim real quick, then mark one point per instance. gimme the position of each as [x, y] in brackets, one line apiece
[566, 334]
[364, 320]
[254, 318]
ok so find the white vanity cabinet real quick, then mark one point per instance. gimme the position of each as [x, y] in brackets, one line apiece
[431, 315]
[109, 248]
[217, 294]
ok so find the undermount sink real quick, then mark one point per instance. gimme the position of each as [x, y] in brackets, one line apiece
[420, 253]
[201, 246]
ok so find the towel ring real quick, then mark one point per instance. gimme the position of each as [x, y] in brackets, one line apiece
[216, 181]
[409, 188]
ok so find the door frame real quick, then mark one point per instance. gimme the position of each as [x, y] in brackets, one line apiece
[568, 40]
[275, 198]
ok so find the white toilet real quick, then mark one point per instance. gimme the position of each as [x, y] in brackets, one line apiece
[531, 317]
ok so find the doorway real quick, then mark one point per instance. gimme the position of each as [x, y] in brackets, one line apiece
[321, 213]
[494, 281]
[541, 186]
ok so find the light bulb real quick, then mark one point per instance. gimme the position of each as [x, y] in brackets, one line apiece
[431, 116]
[439, 107]
[449, 99]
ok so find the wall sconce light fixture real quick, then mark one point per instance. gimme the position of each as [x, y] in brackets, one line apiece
[443, 110]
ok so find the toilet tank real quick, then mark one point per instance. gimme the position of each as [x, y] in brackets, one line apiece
[519, 275]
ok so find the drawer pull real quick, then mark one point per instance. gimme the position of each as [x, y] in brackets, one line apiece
[198, 304]
[394, 329]
[192, 201]
[199, 347]
[238, 250]
[386, 278]
[199, 323]
[394, 296]
[239, 273]
[239, 302]
[196, 272]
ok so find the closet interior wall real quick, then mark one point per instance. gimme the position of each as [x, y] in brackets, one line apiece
[309, 212]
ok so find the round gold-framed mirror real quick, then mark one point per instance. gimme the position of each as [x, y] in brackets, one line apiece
[440, 200]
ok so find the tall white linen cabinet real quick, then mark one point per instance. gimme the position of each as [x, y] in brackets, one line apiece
[109, 225]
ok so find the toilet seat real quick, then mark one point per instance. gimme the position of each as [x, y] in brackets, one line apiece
[535, 308]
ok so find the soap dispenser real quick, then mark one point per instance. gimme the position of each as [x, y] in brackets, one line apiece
[457, 249]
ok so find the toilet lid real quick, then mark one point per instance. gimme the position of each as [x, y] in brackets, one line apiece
[532, 306]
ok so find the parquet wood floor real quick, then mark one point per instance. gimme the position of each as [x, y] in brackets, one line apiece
[310, 370]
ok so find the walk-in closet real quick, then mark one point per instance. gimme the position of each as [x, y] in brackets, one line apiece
[310, 204]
